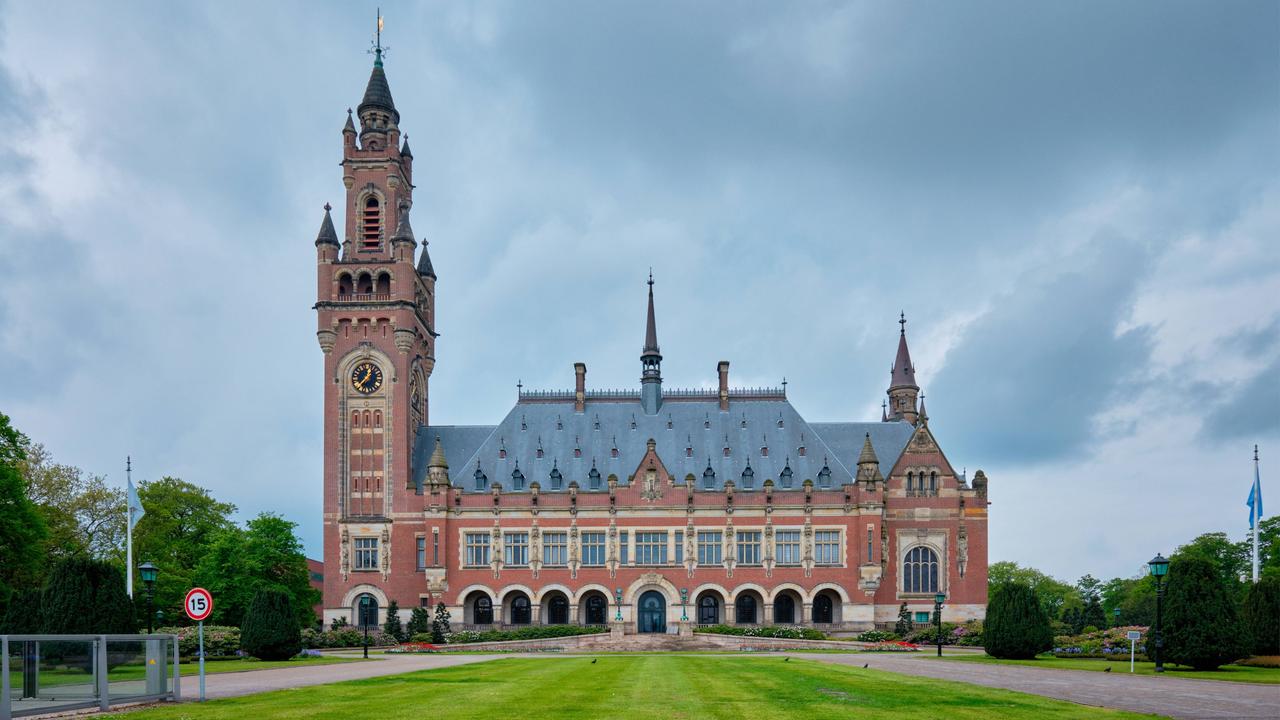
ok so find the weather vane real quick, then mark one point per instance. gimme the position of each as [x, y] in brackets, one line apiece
[377, 50]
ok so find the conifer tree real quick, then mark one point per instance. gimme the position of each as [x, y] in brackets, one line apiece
[1016, 625]
[270, 630]
[440, 625]
[1201, 626]
[392, 626]
[1262, 615]
[419, 622]
[86, 597]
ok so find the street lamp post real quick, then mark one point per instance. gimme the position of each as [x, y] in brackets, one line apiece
[365, 601]
[1116, 613]
[1159, 568]
[149, 573]
[617, 603]
[937, 618]
[684, 602]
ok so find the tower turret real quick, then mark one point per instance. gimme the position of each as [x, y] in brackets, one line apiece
[651, 363]
[902, 385]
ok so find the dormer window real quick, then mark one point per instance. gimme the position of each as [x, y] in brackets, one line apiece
[824, 477]
[593, 477]
[480, 478]
[517, 478]
[708, 477]
[371, 225]
[556, 478]
[785, 476]
[748, 478]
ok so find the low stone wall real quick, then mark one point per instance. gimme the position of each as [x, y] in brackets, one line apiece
[699, 641]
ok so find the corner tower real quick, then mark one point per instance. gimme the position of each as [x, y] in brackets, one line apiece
[375, 307]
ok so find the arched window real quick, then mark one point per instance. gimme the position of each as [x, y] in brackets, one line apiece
[920, 571]
[933, 483]
[784, 610]
[520, 614]
[364, 284]
[344, 284]
[366, 612]
[482, 611]
[371, 225]
[595, 610]
[558, 611]
[708, 610]
[911, 483]
[746, 609]
[822, 609]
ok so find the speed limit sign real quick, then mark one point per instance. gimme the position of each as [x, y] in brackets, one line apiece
[199, 604]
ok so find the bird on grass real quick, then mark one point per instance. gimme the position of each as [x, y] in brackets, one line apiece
[593, 661]
[866, 665]
[1106, 669]
[786, 659]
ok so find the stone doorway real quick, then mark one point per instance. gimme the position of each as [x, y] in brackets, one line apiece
[652, 617]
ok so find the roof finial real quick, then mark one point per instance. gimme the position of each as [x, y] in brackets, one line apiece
[902, 321]
[784, 384]
[377, 42]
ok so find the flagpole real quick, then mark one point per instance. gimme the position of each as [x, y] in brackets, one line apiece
[1257, 501]
[128, 543]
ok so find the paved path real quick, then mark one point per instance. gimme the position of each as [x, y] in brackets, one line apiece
[220, 685]
[1169, 696]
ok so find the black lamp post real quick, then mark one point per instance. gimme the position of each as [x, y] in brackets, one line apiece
[1159, 568]
[1116, 613]
[617, 602]
[937, 617]
[365, 602]
[149, 573]
[684, 602]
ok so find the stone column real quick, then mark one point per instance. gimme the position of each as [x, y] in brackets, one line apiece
[767, 619]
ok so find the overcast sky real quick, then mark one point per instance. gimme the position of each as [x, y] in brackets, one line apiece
[1076, 204]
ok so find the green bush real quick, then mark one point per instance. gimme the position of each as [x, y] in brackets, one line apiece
[392, 626]
[876, 636]
[1112, 643]
[22, 617]
[270, 630]
[419, 622]
[904, 624]
[766, 631]
[440, 628]
[345, 637]
[1016, 625]
[86, 597]
[531, 632]
[220, 641]
[1201, 626]
[1262, 615]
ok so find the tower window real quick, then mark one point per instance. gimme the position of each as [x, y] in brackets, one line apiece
[371, 225]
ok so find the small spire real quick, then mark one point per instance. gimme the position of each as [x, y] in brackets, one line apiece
[350, 127]
[868, 453]
[327, 235]
[651, 328]
[437, 457]
[404, 148]
[425, 268]
[403, 233]
[924, 414]
[903, 372]
[884, 411]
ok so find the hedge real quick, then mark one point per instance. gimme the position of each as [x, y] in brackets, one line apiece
[532, 632]
[220, 641]
[786, 632]
[344, 637]
[1017, 626]
[270, 629]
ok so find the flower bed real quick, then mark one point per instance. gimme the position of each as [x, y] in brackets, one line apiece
[415, 647]
[786, 632]
[875, 636]
[893, 646]
[1112, 643]
[967, 634]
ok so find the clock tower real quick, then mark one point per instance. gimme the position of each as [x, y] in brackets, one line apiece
[375, 308]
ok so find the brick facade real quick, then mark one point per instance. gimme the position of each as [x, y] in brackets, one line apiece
[799, 541]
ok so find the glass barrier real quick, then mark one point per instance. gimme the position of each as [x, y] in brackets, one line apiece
[53, 673]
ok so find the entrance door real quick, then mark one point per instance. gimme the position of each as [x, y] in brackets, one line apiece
[653, 613]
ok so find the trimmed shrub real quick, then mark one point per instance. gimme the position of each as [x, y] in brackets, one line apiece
[904, 624]
[1016, 625]
[220, 641]
[345, 637]
[270, 630]
[764, 631]
[86, 597]
[419, 622]
[532, 632]
[392, 626]
[1202, 628]
[1261, 613]
[440, 624]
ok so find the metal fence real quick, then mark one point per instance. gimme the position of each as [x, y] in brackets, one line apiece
[52, 673]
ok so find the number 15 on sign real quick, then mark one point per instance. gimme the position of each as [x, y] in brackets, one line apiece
[199, 605]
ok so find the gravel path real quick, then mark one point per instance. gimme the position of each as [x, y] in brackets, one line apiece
[1169, 696]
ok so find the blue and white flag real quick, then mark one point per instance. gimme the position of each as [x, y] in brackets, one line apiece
[135, 506]
[1255, 497]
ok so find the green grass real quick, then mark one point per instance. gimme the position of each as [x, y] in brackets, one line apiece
[1234, 673]
[650, 686]
[50, 677]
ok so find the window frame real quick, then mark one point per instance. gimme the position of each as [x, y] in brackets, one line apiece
[471, 543]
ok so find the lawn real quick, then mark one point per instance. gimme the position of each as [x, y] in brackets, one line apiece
[649, 686]
[1234, 673]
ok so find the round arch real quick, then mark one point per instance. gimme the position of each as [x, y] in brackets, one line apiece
[504, 592]
[576, 598]
[839, 590]
[661, 584]
[349, 599]
[780, 588]
[554, 587]
[759, 590]
[464, 592]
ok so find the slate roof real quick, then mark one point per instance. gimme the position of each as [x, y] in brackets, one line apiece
[377, 94]
[558, 430]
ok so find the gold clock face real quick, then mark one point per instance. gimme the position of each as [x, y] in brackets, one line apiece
[366, 378]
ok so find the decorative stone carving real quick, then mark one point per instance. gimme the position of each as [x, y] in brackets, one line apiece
[385, 558]
[345, 564]
[327, 339]
[405, 339]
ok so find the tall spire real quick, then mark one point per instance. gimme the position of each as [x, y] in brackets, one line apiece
[377, 94]
[651, 362]
[902, 384]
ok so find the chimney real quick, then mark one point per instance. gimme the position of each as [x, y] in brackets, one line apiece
[723, 369]
[579, 387]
